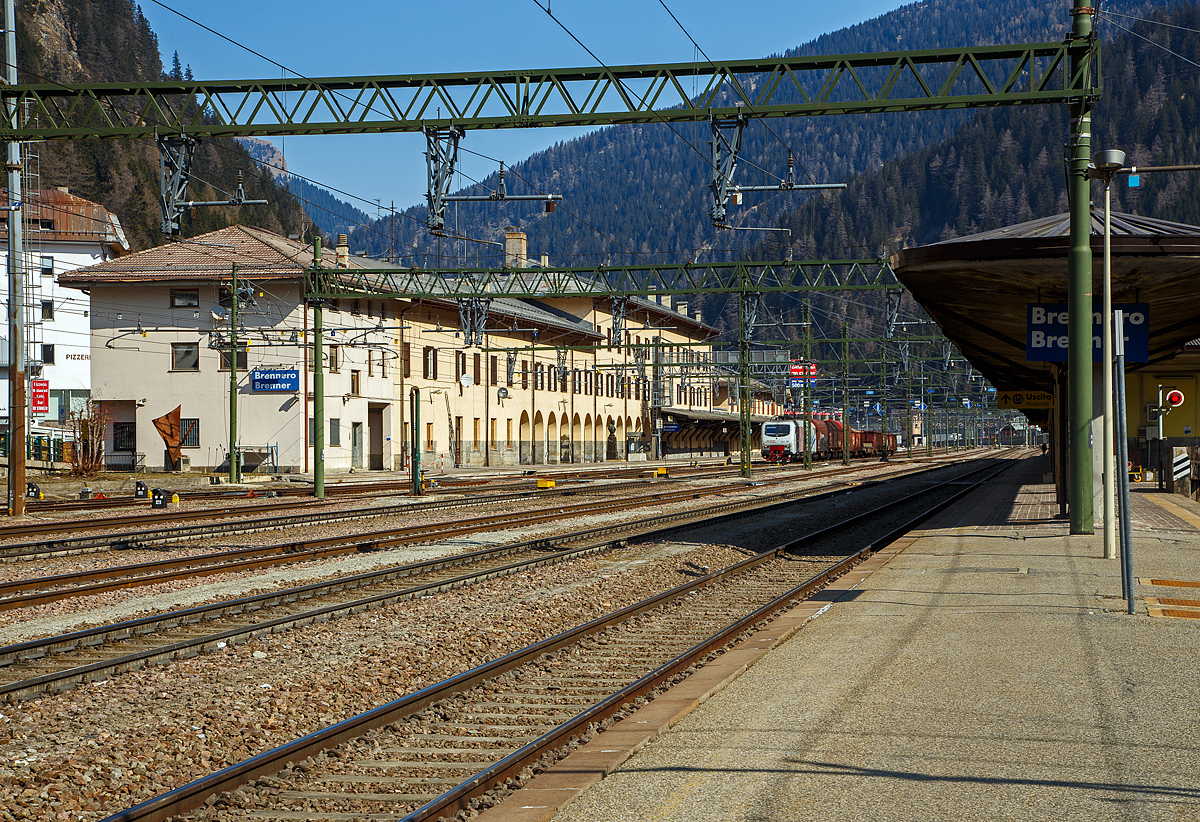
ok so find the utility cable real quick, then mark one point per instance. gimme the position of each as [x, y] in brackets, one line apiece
[822, 194]
[655, 112]
[1153, 43]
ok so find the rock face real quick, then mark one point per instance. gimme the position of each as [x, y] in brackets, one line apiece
[266, 153]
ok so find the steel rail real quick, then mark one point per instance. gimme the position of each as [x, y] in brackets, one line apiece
[178, 533]
[193, 794]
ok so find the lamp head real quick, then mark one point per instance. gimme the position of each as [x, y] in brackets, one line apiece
[1109, 160]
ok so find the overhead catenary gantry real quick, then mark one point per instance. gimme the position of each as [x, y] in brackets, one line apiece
[749, 277]
[924, 80]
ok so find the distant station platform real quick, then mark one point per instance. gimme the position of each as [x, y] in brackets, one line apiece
[983, 668]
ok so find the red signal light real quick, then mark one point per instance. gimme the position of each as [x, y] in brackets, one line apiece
[1174, 398]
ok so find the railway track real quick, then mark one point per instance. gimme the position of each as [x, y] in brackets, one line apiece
[37, 591]
[131, 531]
[468, 740]
[46, 665]
[364, 488]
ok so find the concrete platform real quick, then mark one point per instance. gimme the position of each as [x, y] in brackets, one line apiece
[986, 669]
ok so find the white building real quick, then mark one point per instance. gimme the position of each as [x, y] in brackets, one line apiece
[550, 383]
[62, 233]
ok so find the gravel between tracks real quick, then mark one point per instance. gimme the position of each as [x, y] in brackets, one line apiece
[165, 726]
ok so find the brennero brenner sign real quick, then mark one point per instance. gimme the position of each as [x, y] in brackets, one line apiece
[1046, 331]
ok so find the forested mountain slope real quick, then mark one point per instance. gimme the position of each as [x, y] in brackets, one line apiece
[641, 191]
[108, 41]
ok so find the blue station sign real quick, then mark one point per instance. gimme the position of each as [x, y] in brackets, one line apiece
[275, 379]
[1046, 332]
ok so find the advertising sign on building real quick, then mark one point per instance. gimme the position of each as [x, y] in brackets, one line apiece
[39, 396]
[1046, 332]
[275, 379]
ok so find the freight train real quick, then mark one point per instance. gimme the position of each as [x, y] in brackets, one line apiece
[783, 440]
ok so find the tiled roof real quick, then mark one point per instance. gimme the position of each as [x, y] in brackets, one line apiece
[259, 254]
[542, 314]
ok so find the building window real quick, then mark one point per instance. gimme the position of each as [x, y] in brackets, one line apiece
[477, 374]
[553, 379]
[124, 436]
[185, 299]
[47, 309]
[495, 367]
[189, 433]
[355, 383]
[475, 441]
[429, 436]
[47, 355]
[370, 361]
[354, 309]
[429, 363]
[47, 266]
[524, 373]
[335, 432]
[335, 360]
[406, 359]
[492, 441]
[383, 363]
[241, 360]
[508, 432]
[185, 356]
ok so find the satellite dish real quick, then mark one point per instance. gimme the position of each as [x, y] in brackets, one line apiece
[466, 380]
[502, 393]
[219, 313]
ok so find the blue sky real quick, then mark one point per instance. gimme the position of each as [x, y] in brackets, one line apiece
[364, 38]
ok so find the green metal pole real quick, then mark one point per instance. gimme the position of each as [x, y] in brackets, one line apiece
[806, 391]
[318, 386]
[744, 383]
[883, 418]
[235, 473]
[845, 394]
[1079, 291]
[415, 459]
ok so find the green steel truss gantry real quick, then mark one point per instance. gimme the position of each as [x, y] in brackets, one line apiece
[602, 281]
[1062, 72]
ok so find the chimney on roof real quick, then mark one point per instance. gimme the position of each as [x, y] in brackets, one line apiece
[343, 252]
[515, 254]
[681, 306]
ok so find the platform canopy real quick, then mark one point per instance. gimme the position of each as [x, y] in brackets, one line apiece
[979, 287]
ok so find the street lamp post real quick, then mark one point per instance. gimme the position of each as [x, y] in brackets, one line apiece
[1106, 164]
